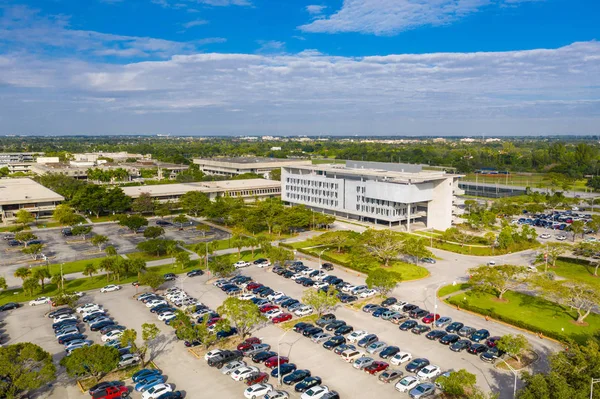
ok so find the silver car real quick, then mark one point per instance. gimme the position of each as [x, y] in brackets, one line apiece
[363, 362]
[443, 321]
[256, 348]
[320, 337]
[231, 366]
[376, 347]
[422, 391]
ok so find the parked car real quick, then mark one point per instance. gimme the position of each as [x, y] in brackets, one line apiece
[307, 384]
[416, 365]
[40, 301]
[257, 390]
[429, 372]
[461, 345]
[407, 383]
[296, 376]
[9, 306]
[422, 391]
[376, 367]
[390, 376]
[110, 288]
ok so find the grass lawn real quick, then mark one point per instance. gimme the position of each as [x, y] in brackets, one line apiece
[575, 271]
[100, 219]
[452, 288]
[74, 267]
[481, 251]
[40, 224]
[148, 257]
[535, 314]
[246, 255]
[288, 325]
[7, 229]
[534, 180]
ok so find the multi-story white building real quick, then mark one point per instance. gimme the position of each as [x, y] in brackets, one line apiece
[17, 194]
[231, 167]
[380, 193]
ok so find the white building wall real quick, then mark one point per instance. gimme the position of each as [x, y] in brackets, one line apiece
[439, 209]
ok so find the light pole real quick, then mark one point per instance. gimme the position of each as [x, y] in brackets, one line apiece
[62, 279]
[515, 373]
[279, 358]
[435, 299]
[321, 253]
[594, 381]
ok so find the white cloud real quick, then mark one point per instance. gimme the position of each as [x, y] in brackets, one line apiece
[544, 91]
[388, 17]
[315, 9]
[270, 46]
[196, 22]
[190, 3]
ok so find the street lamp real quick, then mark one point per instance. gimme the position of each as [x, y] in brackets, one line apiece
[594, 381]
[321, 253]
[435, 299]
[515, 373]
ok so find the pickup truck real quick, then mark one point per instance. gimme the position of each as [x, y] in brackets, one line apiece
[112, 393]
[225, 357]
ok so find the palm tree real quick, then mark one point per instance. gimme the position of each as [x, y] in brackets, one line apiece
[89, 270]
[238, 239]
[252, 242]
[138, 266]
[3, 284]
[22, 273]
[110, 251]
[41, 274]
[108, 265]
[31, 286]
[57, 280]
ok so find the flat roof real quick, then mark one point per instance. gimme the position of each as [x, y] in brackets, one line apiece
[250, 160]
[205, 187]
[23, 191]
[387, 175]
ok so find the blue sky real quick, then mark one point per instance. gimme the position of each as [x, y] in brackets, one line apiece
[211, 67]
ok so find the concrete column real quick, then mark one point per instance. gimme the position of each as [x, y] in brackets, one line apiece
[407, 217]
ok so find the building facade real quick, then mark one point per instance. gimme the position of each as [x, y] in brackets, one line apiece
[17, 194]
[237, 166]
[390, 194]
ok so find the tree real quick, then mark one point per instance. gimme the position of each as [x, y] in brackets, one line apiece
[152, 280]
[108, 264]
[338, 239]
[252, 242]
[94, 360]
[203, 229]
[194, 202]
[99, 240]
[415, 247]
[154, 232]
[34, 250]
[133, 222]
[143, 204]
[22, 273]
[577, 227]
[593, 183]
[110, 251]
[574, 295]
[238, 240]
[180, 219]
[457, 383]
[3, 284]
[182, 258]
[381, 280]
[41, 274]
[137, 266]
[383, 244]
[24, 217]
[89, 270]
[65, 215]
[505, 238]
[90, 198]
[243, 315]
[320, 301]
[279, 255]
[264, 242]
[31, 286]
[270, 210]
[156, 246]
[220, 267]
[500, 278]
[513, 345]
[204, 250]
[547, 386]
[81, 231]
[57, 280]
[275, 174]
[162, 210]
[149, 333]
[24, 367]
[555, 249]
[25, 236]
[116, 201]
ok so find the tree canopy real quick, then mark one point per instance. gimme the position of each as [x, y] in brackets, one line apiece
[24, 367]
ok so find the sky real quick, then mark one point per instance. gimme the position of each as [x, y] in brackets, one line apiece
[300, 67]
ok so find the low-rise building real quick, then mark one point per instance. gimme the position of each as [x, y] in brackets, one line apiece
[249, 190]
[13, 157]
[17, 194]
[240, 165]
[374, 192]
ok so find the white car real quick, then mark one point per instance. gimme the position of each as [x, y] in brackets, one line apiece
[79, 294]
[247, 297]
[357, 336]
[368, 293]
[63, 317]
[232, 366]
[315, 392]
[97, 312]
[275, 295]
[407, 383]
[128, 359]
[277, 395]
[257, 390]
[243, 372]
[428, 372]
[320, 284]
[88, 307]
[348, 288]
[110, 288]
[320, 337]
[166, 316]
[211, 354]
[303, 311]
[157, 391]
[561, 238]
[397, 307]
[156, 302]
[321, 276]
[273, 312]
[545, 236]
[400, 357]
[308, 271]
[115, 334]
[297, 276]
[40, 301]
[241, 263]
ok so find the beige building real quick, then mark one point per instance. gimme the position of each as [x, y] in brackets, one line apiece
[17, 194]
[249, 190]
[239, 165]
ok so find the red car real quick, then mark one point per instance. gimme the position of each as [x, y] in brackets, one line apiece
[376, 367]
[281, 318]
[253, 285]
[257, 378]
[248, 342]
[213, 321]
[272, 361]
[492, 341]
[430, 318]
[112, 393]
[267, 307]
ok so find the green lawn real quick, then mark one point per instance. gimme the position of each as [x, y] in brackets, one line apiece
[482, 251]
[74, 267]
[107, 218]
[148, 257]
[533, 313]
[533, 180]
[575, 271]
[451, 289]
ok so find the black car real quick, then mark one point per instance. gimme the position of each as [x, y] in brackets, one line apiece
[309, 332]
[348, 298]
[262, 356]
[171, 395]
[436, 335]
[416, 365]
[194, 273]
[163, 223]
[61, 324]
[389, 302]
[491, 355]
[33, 242]
[409, 307]
[420, 329]
[300, 327]
[14, 243]
[454, 327]
[287, 274]
[418, 313]
[325, 319]
[296, 377]
[308, 283]
[100, 325]
[338, 350]
[266, 293]
[225, 357]
[408, 325]
[103, 385]
[449, 339]
[284, 369]
[334, 341]
[334, 325]
[477, 349]
[59, 312]
[289, 302]
[479, 335]
[162, 308]
[327, 266]
[331, 395]
[66, 232]
[93, 316]
[70, 337]
[343, 330]
[307, 383]
[328, 279]
[112, 328]
[367, 340]
[9, 306]
[388, 352]
[460, 345]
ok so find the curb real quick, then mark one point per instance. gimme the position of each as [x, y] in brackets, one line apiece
[537, 357]
[194, 354]
[80, 387]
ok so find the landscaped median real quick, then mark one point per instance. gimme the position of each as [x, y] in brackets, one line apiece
[117, 375]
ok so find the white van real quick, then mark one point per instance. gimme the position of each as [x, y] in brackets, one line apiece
[350, 355]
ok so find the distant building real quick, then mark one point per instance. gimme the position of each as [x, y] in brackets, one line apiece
[18, 157]
[374, 192]
[249, 189]
[114, 156]
[231, 167]
[17, 194]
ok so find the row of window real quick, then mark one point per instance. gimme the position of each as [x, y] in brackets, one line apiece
[306, 199]
[312, 183]
[375, 210]
[313, 191]
[245, 193]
